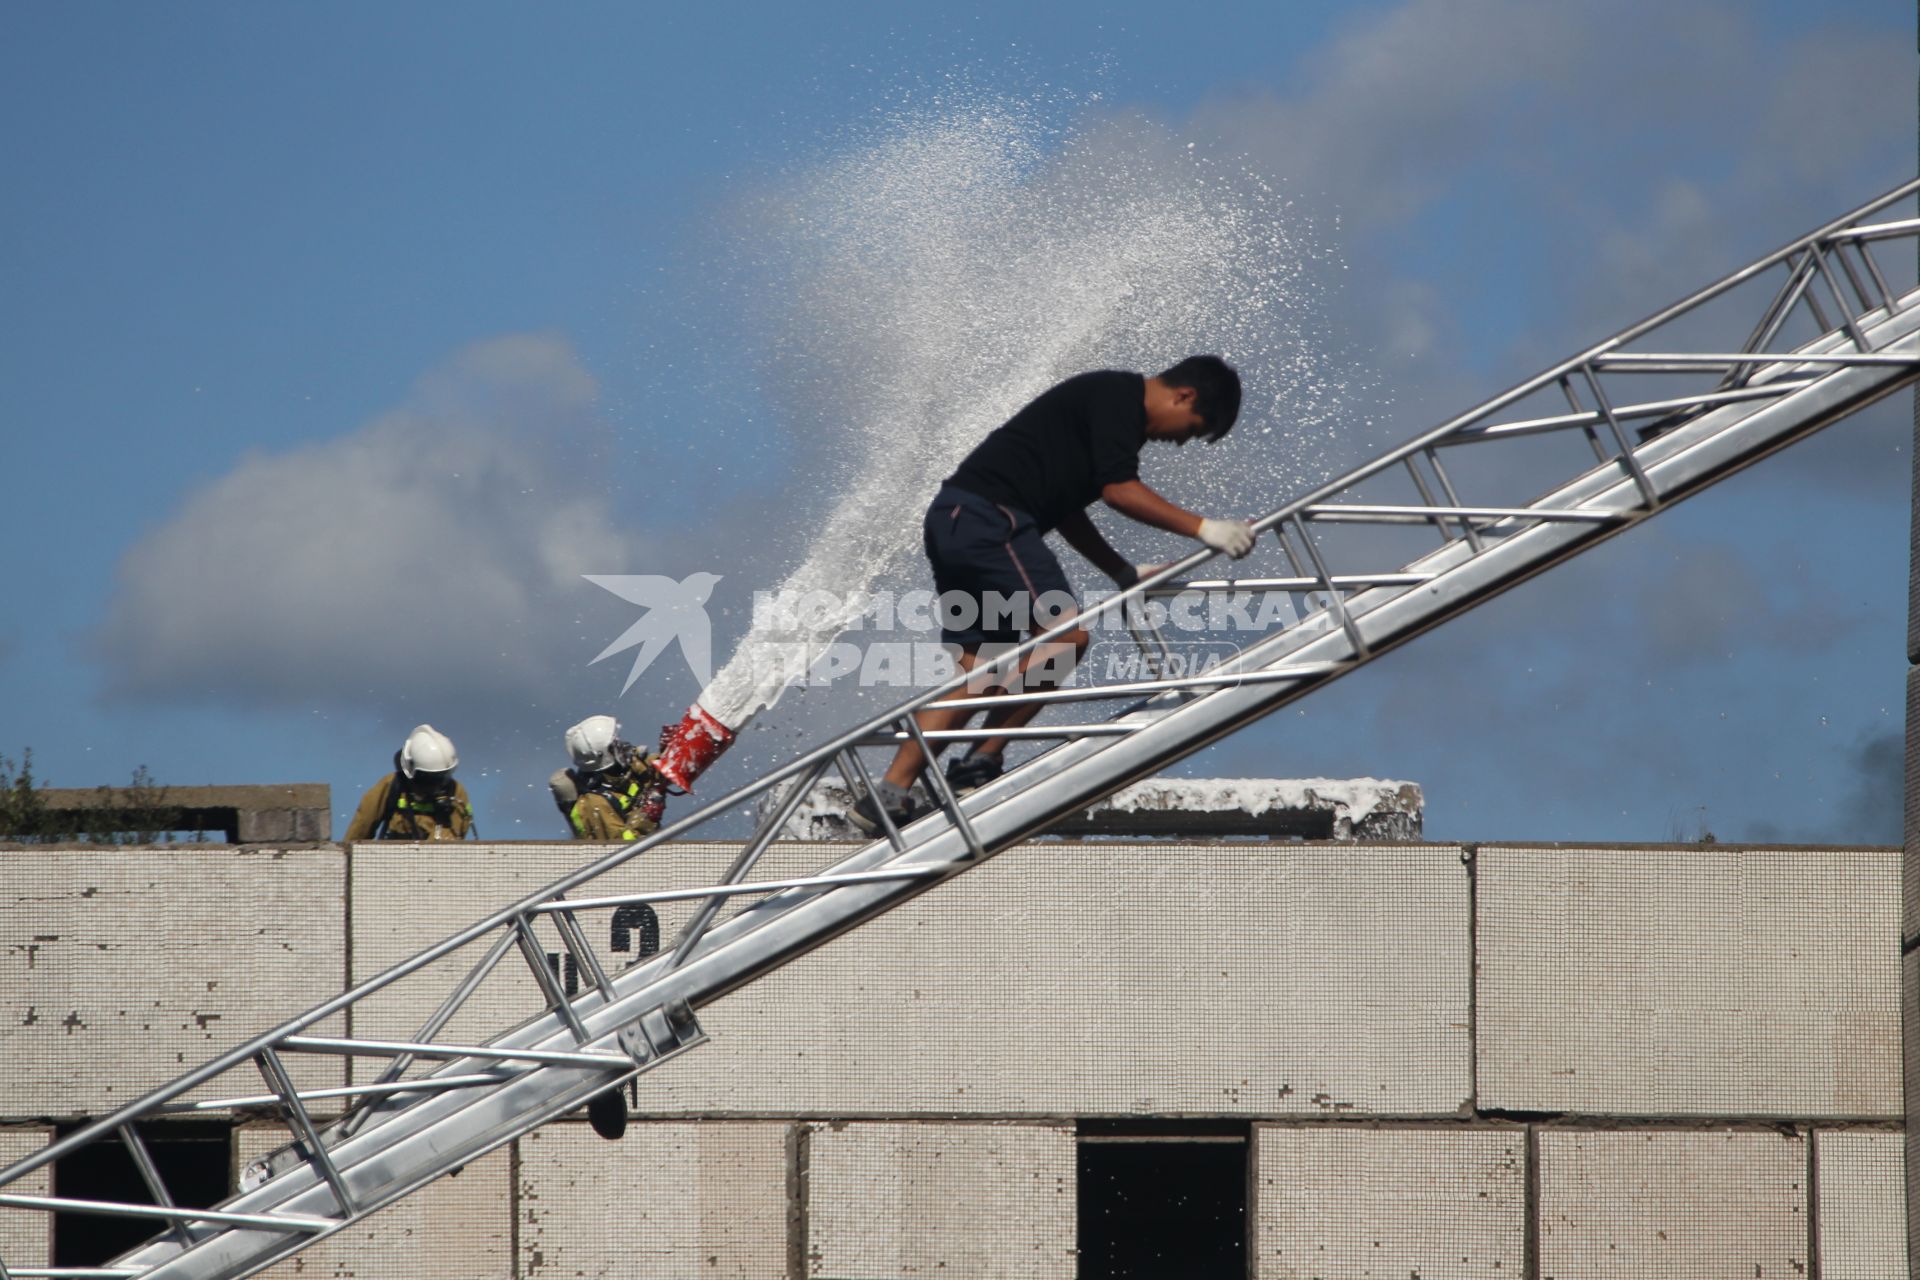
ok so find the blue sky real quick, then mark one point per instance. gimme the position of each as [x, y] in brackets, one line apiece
[337, 342]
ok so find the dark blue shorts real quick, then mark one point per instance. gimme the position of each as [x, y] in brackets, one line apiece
[993, 571]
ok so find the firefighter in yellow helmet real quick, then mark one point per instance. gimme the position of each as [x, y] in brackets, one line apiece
[612, 792]
[420, 799]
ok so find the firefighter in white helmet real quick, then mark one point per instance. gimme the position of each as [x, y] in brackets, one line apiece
[612, 792]
[420, 799]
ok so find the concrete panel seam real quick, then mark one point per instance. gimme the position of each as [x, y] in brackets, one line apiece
[1530, 1208]
[1252, 1242]
[1612, 1122]
[799, 1189]
[513, 1209]
[1469, 858]
[1813, 1204]
[346, 949]
[1282, 1120]
[1495, 1119]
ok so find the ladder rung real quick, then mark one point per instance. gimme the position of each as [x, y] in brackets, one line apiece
[1645, 409]
[112, 1208]
[1651, 362]
[1879, 230]
[1391, 514]
[760, 886]
[1351, 581]
[1029, 732]
[430, 1085]
[1138, 688]
[389, 1048]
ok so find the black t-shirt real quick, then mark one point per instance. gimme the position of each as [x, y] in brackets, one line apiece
[1054, 457]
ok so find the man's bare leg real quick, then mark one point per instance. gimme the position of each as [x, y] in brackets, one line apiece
[908, 759]
[1048, 666]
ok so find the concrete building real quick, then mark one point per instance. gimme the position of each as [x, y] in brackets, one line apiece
[1088, 1057]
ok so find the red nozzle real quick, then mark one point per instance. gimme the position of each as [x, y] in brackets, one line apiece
[686, 749]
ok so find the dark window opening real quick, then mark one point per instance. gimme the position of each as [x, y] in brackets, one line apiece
[196, 1167]
[1163, 1201]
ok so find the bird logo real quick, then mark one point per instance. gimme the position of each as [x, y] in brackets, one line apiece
[675, 610]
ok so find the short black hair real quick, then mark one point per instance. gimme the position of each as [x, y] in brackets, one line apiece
[1216, 391]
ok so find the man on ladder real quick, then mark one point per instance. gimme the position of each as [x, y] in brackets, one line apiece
[1076, 443]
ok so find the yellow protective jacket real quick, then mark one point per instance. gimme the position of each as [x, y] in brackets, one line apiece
[616, 812]
[390, 812]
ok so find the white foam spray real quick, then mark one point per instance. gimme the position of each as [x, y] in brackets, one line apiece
[938, 276]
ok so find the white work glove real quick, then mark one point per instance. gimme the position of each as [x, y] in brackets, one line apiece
[1235, 537]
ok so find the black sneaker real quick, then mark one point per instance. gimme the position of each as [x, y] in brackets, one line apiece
[972, 771]
[866, 815]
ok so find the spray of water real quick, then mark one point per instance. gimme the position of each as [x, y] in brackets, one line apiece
[934, 278]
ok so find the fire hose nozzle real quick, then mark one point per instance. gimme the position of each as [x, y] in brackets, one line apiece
[688, 748]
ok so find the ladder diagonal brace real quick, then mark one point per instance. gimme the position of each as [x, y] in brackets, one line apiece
[1421, 487]
[150, 1174]
[582, 950]
[1853, 277]
[1873, 269]
[1840, 300]
[938, 781]
[775, 823]
[536, 958]
[282, 1084]
[1474, 539]
[1336, 603]
[1648, 493]
[1799, 277]
[1581, 416]
[851, 757]
[1811, 296]
[452, 1004]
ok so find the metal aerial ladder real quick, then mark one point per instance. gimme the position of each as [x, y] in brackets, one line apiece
[1773, 352]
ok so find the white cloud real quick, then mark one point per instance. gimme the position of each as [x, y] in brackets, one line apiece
[1517, 180]
[1390, 111]
[432, 553]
